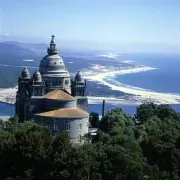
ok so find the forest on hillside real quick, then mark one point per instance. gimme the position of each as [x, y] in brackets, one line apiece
[126, 148]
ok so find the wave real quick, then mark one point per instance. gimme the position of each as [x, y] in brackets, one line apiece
[117, 83]
[109, 55]
[128, 61]
[113, 72]
[28, 60]
[7, 65]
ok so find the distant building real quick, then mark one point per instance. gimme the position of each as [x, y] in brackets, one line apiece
[51, 98]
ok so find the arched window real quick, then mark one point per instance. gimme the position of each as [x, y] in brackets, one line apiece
[57, 83]
[60, 82]
[66, 82]
[77, 92]
[80, 126]
[36, 92]
[81, 93]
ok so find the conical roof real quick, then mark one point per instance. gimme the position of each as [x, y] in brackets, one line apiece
[79, 77]
[25, 74]
[37, 76]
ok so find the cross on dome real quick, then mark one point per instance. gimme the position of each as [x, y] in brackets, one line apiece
[52, 49]
[53, 36]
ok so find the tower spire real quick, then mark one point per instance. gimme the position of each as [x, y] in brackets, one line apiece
[53, 36]
[52, 49]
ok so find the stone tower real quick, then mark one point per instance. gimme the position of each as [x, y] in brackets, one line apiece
[38, 85]
[23, 95]
[78, 87]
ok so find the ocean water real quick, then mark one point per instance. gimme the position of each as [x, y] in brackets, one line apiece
[130, 109]
[9, 109]
[166, 78]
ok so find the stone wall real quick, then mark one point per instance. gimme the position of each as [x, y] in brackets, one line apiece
[77, 127]
[82, 102]
[58, 104]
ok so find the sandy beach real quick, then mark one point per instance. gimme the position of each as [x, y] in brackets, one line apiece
[137, 93]
[8, 95]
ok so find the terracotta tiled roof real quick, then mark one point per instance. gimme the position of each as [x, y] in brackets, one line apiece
[58, 94]
[69, 112]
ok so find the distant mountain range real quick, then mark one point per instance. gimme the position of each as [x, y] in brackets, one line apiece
[14, 56]
[89, 46]
[12, 47]
[42, 43]
[37, 46]
[38, 50]
[21, 39]
[29, 54]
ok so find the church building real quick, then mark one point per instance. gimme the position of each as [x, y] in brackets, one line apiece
[50, 97]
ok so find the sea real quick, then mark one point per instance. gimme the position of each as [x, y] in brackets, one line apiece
[165, 78]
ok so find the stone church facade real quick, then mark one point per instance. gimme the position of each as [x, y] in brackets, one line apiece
[50, 97]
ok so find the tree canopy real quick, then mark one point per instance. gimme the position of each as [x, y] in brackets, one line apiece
[94, 119]
[122, 150]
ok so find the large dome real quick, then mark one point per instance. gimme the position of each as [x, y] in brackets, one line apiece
[52, 64]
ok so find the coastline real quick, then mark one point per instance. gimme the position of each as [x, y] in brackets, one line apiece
[139, 94]
[111, 100]
[7, 95]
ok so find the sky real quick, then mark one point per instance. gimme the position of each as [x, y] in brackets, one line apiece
[104, 22]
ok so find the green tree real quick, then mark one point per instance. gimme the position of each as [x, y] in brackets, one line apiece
[122, 156]
[94, 119]
[122, 149]
[160, 145]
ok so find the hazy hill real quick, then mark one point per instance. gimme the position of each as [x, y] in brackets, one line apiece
[14, 56]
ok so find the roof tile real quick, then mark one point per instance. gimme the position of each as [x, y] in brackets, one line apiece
[69, 112]
[58, 94]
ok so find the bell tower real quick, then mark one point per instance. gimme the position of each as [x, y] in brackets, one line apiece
[23, 95]
[38, 84]
[78, 88]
